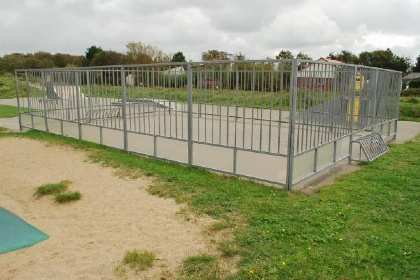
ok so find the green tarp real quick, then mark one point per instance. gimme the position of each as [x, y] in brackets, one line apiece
[16, 234]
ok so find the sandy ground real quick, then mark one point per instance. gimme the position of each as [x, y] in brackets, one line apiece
[88, 238]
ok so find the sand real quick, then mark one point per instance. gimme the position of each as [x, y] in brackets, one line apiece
[89, 238]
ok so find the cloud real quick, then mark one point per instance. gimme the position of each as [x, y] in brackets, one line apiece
[257, 28]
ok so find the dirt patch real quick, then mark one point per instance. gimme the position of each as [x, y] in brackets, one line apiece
[88, 238]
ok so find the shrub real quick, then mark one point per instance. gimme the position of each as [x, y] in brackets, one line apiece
[415, 92]
[414, 83]
[411, 110]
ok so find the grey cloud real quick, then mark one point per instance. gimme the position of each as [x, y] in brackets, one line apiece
[257, 28]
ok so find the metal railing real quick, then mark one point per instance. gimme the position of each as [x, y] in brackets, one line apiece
[278, 121]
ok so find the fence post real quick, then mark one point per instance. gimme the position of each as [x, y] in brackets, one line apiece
[89, 112]
[18, 101]
[351, 100]
[44, 100]
[124, 101]
[76, 79]
[190, 115]
[292, 115]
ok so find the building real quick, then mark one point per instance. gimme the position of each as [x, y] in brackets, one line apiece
[409, 77]
[319, 75]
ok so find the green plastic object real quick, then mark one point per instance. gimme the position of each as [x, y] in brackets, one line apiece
[16, 234]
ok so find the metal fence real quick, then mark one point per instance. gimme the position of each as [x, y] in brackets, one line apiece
[278, 121]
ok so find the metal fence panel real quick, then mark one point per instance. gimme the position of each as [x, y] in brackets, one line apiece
[278, 121]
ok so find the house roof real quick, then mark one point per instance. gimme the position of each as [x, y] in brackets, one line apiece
[329, 60]
[320, 70]
[411, 76]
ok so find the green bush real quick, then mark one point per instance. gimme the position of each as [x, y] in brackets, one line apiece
[414, 83]
[411, 92]
[410, 109]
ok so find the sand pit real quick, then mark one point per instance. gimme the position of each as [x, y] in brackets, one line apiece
[88, 238]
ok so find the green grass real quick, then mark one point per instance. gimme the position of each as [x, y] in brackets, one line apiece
[7, 86]
[139, 260]
[7, 111]
[365, 226]
[410, 109]
[56, 188]
[201, 267]
[3, 129]
[67, 197]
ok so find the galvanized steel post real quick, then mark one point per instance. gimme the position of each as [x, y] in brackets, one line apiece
[190, 115]
[292, 113]
[351, 100]
[18, 101]
[79, 125]
[44, 100]
[124, 101]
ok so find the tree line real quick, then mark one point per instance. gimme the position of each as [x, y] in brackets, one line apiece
[140, 53]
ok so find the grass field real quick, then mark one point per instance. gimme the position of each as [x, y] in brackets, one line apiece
[364, 226]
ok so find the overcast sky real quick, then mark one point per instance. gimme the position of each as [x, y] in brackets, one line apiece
[258, 28]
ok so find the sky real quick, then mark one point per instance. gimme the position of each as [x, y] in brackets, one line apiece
[259, 29]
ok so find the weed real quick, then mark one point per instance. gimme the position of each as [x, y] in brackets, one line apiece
[56, 188]
[67, 197]
[139, 260]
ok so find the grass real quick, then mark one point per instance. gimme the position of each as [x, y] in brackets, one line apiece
[201, 267]
[139, 260]
[7, 86]
[67, 197]
[3, 129]
[364, 226]
[7, 111]
[410, 109]
[56, 188]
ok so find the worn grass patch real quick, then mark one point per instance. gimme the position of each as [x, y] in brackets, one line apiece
[200, 267]
[67, 197]
[3, 129]
[56, 188]
[139, 260]
[364, 226]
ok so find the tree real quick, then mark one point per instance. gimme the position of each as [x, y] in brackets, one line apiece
[344, 56]
[140, 53]
[285, 54]
[178, 57]
[212, 55]
[107, 58]
[416, 67]
[91, 52]
[239, 56]
[303, 56]
[385, 59]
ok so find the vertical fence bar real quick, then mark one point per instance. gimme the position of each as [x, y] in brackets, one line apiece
[44, 100]
[292, 113]
[190, 115]
[18, 101]
[351, 100]
[124, 101]
[79, 125]
[89, 112]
